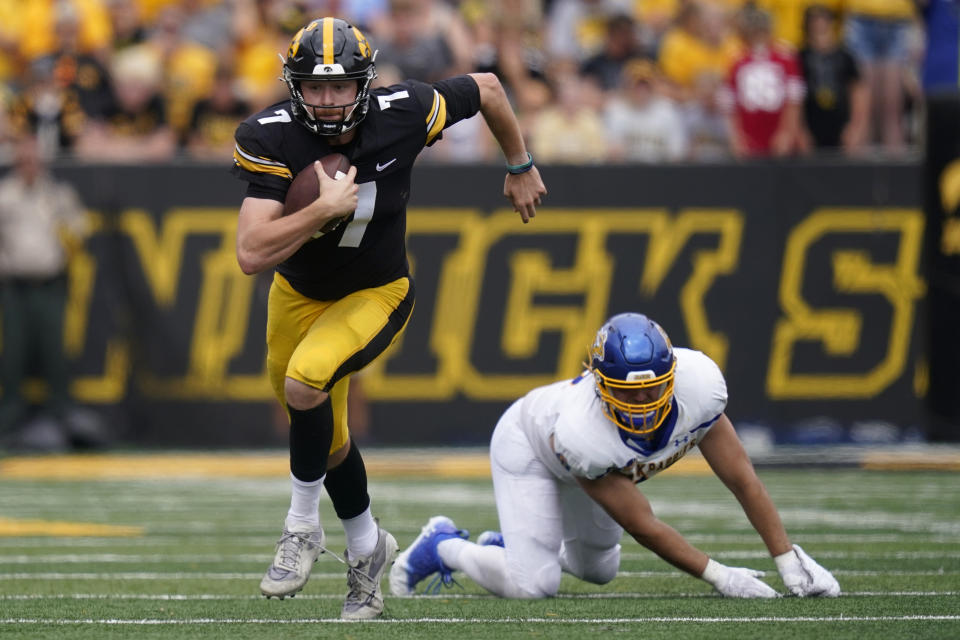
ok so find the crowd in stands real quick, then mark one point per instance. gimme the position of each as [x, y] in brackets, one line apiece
[592, 80]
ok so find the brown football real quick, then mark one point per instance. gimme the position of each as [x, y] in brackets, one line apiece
[305, 188]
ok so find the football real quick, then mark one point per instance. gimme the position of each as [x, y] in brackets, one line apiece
[305, 187]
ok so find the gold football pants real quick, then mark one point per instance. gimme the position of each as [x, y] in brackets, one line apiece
[320, 343]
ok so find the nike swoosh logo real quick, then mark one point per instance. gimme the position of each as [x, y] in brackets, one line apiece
[381, 167]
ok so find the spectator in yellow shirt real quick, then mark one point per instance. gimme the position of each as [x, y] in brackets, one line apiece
[570, 130]
[36, 20]
[701, 43]
[259, 36]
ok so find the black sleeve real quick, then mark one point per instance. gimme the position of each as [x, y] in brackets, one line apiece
[462, 96]
[263, 191]
[255, 162]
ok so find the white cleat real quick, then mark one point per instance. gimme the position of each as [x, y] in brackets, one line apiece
[297, 550]
[365, 600]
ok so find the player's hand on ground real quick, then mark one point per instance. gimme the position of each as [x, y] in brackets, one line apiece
[804, 577]
[737, 582]
[339, 197]
[524, 191]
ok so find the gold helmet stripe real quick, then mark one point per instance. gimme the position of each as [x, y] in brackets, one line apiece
[328, 41]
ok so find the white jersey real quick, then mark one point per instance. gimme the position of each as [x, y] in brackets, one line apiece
[587, 444]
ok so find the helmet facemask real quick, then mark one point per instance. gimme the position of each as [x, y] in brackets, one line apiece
[353, 112]
[640, 418]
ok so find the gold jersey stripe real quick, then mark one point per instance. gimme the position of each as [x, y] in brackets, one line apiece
[256, 164]
[437, 117]
[328, 41]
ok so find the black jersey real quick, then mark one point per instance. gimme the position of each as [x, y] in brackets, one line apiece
[368, 250]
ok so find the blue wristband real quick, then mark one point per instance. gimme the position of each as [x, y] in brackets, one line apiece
[516, 169]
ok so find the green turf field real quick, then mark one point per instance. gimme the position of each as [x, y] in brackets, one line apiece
[168, 556]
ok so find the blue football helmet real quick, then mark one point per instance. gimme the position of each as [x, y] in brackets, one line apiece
[634, 367]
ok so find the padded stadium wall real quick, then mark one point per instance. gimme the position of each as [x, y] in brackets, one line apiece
[802, 279]
[942, 206]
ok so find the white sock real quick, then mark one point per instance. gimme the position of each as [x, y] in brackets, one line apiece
[362, 532]
[304, 502]
[487, 565]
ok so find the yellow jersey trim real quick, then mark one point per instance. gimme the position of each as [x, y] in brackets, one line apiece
[258, 164]
[437, 116]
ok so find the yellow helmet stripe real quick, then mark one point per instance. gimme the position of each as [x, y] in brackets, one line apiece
[437, 116]
[328, 41]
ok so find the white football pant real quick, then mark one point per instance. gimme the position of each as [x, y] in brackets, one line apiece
[548, 526]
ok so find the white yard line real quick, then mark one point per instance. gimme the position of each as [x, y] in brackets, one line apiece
[177, 597]
[180, 575]
[798, 517]
[133, 558]
[835, 555]
[553, 621]
[152, 540]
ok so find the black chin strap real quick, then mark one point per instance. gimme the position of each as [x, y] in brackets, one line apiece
[341, 124]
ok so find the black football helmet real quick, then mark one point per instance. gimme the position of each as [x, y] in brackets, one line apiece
[329, 49]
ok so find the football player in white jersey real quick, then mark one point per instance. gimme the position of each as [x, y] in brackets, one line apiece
[565, 459]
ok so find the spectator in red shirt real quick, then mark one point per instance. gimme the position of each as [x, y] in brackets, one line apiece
[764, 92]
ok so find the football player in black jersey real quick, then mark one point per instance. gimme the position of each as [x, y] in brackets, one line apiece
[339, 298]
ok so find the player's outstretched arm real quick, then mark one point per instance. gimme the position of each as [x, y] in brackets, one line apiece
[523, 185]
[619, 497]
[726, 456]
[265, 237]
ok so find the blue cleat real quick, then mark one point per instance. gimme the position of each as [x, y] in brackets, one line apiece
[421, 559]
[490, 538]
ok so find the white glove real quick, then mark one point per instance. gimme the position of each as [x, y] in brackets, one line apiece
[804, 577]
[737, 582]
